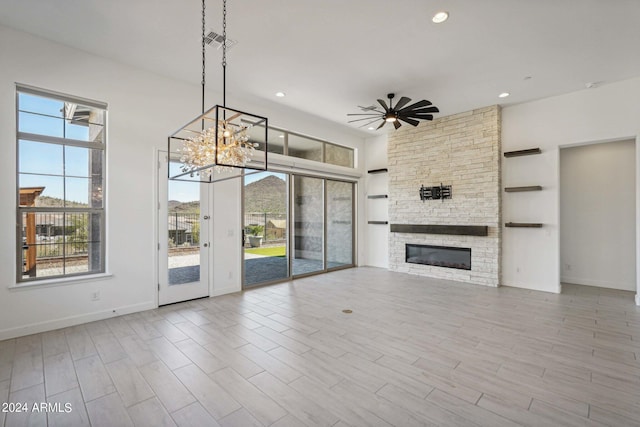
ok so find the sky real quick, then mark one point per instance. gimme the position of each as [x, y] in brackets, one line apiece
[48, 165]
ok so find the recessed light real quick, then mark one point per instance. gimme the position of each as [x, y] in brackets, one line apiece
[440, 17]
[281, 94]
[280, 136]
[371, 128]
[504, 95]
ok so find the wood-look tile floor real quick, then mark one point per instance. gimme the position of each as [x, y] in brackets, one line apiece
[414, 352]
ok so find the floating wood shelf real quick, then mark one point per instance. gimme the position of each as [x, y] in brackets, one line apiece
[527, 152]
[378, 222]
[383, 170]
[460, 230]
[523, 224]
[518, 189]
[378, 196]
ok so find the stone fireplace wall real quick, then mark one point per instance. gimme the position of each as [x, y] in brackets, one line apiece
[463, 151]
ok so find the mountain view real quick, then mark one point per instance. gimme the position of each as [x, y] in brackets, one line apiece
[266, 195]
[55, 202]
[183, 207]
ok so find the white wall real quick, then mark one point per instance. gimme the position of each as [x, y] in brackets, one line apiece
[143, 109]
[227, 237]
[598, 215]
[531, 257]
[377, 236]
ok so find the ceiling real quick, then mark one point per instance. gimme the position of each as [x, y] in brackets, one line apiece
[329, 56]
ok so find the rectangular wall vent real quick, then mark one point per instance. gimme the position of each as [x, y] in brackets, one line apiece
[215, 40]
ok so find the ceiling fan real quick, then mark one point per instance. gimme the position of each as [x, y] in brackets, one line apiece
[421, 110]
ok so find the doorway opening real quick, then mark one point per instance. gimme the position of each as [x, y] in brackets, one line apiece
[598, 215]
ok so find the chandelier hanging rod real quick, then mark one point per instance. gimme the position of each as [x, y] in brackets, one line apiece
[224, 54]
[204, 55]
[228, 142]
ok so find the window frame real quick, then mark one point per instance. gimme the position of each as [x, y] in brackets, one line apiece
[285, 146]
[21, 279]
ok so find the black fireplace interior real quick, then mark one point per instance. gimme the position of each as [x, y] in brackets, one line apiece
[439, 256]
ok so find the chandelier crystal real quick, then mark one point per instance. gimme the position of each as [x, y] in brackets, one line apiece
[225, 147]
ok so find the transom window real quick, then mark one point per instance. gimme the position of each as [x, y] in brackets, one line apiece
[292, 144]
[61, 186]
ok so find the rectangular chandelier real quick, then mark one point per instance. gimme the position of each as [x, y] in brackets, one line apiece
[220, 140]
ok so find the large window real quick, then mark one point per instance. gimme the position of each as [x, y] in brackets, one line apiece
[61, 185]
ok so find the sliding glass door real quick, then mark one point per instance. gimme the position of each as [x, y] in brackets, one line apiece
[265, 228]
[318, 211]
[339, 223]
[308, 225]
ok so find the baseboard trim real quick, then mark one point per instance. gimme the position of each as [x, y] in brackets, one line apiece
[558, 289]
[224, 291]
[598, 283]
[50, 325]
[638, 299]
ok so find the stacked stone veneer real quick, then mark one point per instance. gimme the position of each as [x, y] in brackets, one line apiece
[463, 151]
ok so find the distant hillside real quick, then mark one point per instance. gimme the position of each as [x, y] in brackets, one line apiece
[54, 202]
[266, 195]
[180, 207]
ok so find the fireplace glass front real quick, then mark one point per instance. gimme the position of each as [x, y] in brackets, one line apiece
[439, 256]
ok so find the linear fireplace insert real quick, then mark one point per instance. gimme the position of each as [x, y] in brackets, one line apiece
[439, 256]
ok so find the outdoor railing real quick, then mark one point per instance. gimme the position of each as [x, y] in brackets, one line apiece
[183, 229]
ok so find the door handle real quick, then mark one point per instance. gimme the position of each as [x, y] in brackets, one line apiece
[206, 245]
[206, 217]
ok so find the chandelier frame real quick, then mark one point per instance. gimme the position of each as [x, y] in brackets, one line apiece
[220, 139]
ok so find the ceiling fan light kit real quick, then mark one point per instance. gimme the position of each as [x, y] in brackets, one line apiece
[412, 114]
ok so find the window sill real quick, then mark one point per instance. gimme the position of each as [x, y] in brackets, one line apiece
[60, 281]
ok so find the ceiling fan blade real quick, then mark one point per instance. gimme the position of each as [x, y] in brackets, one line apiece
[402, 102]
[381, 102]
[367, 124]
[415, 113]
[397, 124]
[381, 124]
[409, 120]
[424, 110]
[362, 118]
[419, 104]
[419, 116]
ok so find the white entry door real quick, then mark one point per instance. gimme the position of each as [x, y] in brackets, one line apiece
[183, 236]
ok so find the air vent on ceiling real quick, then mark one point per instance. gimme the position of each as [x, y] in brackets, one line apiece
[369, 108]
[215, 40]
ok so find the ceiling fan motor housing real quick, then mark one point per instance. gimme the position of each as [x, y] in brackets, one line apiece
[412, 114]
